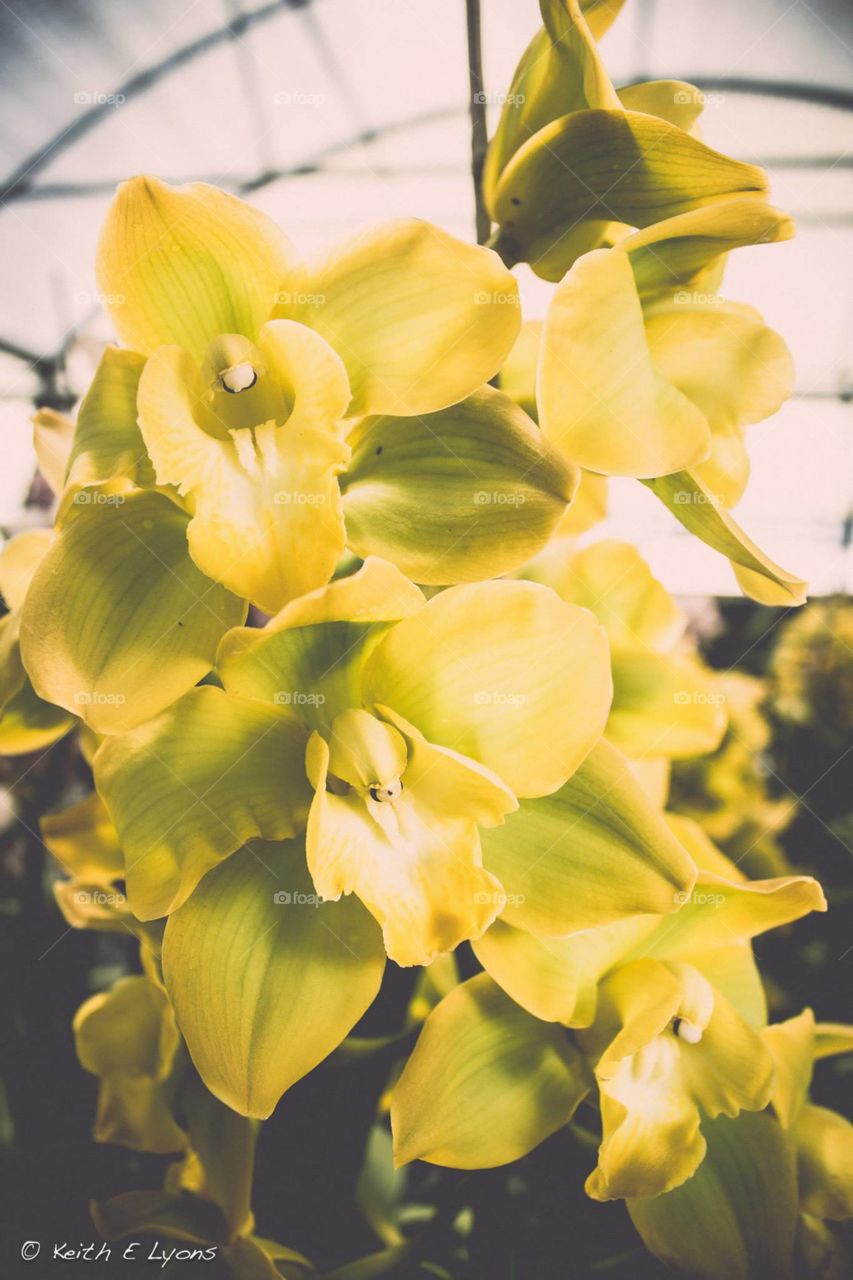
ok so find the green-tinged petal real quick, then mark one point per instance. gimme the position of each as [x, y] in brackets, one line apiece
[416, 864]
[224, 1144]
[559, 72]
[178, 1217]
[183, 264]
[310, 656]
[555, 979]
[601, 14]
[792, 1045]
[108, 454]
[118, 621]
[677, 249]
[735, 1218]
[743, 910]
[486, 1082]
[732, 367]
[128, 1037]
[673, 100]
[191, 786]
[30, 724]
[593, 852]
[702, 514]
[503, 672]
[600, 397]
[825, 1163]
[467, 493]
[52, 436]
[613, 580]
[267, 518]
[266, 980]
[84, 840]
[419, 318]
[19, 560]
[663, 705]
[620, 166]
[832, 1038]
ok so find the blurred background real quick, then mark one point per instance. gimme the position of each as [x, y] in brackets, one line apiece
[329, 114]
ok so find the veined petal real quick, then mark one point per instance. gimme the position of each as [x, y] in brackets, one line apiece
[564, 176]
[311, 654]
[419, 870]
[419, 318]
[702, 514]
[743, 909]
[735, 1218]
[118, 621]
[503, 672]
[108, 455]
[485, 1084]
[559, 72]
[593, 852]
[191, 786]
[600, 398]
[224, 262]
[467, 493]
[251, 958]
[676, 250]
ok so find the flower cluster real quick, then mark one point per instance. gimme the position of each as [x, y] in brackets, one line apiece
[447, 720]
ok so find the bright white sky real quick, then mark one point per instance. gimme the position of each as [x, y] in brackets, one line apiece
[319, 77]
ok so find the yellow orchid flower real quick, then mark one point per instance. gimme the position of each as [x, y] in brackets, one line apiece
[252, 382]
[667, 1010]
[561, 175]
[757, 1205]
[419, 745]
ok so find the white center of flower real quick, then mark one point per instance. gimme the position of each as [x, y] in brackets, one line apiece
[686, 1030]
[240, 377]
[385, 793]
